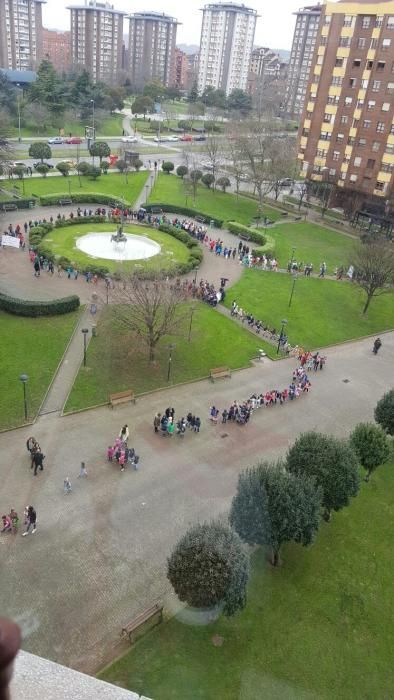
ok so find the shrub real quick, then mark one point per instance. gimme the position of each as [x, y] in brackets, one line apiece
[371, 445]
[223, 183]
[25, 307]
[209, 567]
[384, 412]
[83, 167]
[167, 167]
[186, 211]
[195, 255]
[181, 171]
[208, 179]
[89, 198]
[266, 243]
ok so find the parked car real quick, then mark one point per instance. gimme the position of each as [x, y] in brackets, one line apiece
[200, 138]
[287, 182]
[173, 138]
[74, 139]
[57, 140]
[39, 163]
[160, 139]
[186, 137]
[129, 139]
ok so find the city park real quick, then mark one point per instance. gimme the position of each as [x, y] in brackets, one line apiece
[321, 622]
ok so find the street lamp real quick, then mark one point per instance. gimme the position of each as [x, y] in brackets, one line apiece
[85, 332]
[292, 289]
[192, 310]
[92, 102]
[284, 323]
[24, 379]
[292, 257]
[19, 114]
[171, 347]
[147, 192]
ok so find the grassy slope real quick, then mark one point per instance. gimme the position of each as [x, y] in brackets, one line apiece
[33, 346]
[111, 126]
[114, 184]
[115, 363]
[169, 188]
[62, 242]
[323, 312]
[320, 627]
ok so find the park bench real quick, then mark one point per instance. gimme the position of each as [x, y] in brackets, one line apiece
[297, 218]
[219, 373]
[121, 397]
[156, 210]
[65, 201]
[200, 219]
[155, 611]
[9, 207]
[244, 236]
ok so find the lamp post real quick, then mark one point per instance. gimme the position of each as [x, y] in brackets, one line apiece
[92, 102]
[293, 250]
[171, 347]
[284, 323]
[19, 114]
[85, 332]
[292, 289]
[192, 310]
[24, 379]
[196, 269]
[147, 192]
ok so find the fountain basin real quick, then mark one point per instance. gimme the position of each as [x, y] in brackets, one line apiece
[99, 245]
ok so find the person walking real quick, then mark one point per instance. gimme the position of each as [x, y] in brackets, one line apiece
[376, 346]
[31, 520]
[156, 422]
[82, 471]
[38, 461]
[124, 433]
[67, 485]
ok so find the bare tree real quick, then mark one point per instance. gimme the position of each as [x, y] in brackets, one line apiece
[150, 309]
[373, 269]
[283, 163]
[214, 152]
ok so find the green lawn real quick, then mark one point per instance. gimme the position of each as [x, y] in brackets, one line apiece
[111, 126]
[313, 244]
[114, 184]
[32, 346]
[320, 627]
[170, 189]
[116, 362]
[62, 242]
[323, 312]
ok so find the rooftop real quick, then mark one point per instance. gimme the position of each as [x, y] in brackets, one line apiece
[154, 16]
[229, 7]
[97, 7]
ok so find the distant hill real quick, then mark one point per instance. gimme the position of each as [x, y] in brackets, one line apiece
[284, 54]
[189, 48]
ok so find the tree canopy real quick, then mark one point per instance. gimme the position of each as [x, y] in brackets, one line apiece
[384, 412]
[371, 445]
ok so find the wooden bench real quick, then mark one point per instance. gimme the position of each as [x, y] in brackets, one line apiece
[219, 373]
[121, 397]
[9, 207]
[149, 614]
[200, 219]
[65, 201]
[156, 210]
[244, 236]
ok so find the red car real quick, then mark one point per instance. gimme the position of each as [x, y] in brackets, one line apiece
[186, 137]
[74, 139]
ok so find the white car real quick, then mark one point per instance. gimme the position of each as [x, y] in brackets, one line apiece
[56, 140]
[129, 139]
[162, 139]
[173, 138]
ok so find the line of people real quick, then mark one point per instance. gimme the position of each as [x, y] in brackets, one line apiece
[165, 423]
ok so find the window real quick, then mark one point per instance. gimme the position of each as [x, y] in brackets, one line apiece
[369, 65]
[356, 63]
[340, 138]
[351, 141]
[348, 101]
[390, 23]
[332, 172]
[366, 22]
[362, 142]
[370, 163]
[387, 167]
[392, 129]
[309, 115]
[344, 41]
[355, 123]
[325, 136]
[333, 99]
[320, 153]
[312, 96]
[380, 127]
[390, 88]
[379, 21]
[336, 155]
[327, 19]
[373, 44]
[376, 85]
[380, 186]
[353, 178]
[362, 43]
[348, 21]
[327, 118]
[357, 161]
[360, 104]
[389, 148]
[364, 84]
[344, 119]
[305, 132]
[352, 82]
[375, 146]
[371, 104]
[367, 123]
[381, 65]
[386, 43]
[336, 80]
[338, 62]
[386, 107]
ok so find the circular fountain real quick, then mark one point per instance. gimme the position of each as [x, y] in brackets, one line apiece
[127, 247]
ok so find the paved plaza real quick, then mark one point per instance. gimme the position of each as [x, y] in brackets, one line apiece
[98, 557]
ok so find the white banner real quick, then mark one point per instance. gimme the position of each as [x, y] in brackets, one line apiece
[10, 240]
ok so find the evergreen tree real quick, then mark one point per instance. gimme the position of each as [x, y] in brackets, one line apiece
[48, 89]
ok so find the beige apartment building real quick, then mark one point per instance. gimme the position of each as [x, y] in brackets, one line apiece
[20, 34]
[97, 39]
[346, 134]
[151, 48]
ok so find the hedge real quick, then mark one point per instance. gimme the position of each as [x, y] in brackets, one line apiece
[174, 209]
[90, 198]
[19, 203]
[266, 243]
[25, 307]
[195, 254]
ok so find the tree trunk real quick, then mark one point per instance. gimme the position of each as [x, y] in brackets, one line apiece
[275, 557]
[327, 515]
[369, 298]
[368, 474]
[151, 352]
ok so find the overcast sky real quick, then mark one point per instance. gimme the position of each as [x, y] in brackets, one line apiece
[274, 27]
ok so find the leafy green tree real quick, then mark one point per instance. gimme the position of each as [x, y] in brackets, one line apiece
[94, 172]
[41, 151]
[272, 507]
[48, 89]
[332, 462]
[184, 124]
[181, 171]
[193, 94]
[384, 412]
[37, 116]
[20, 172]
[137, 164]
[64, 168]
[154, 90]
[142, 105]
[8, 94]
[123, 167]
[371, 445]
[223, 183]
[173, 93]
[100, 149]
[214, 98]
[239, 101]
[83, 167]
[374, 268]
[105, 166]
[194, 177]
[209, 567]
[43, 169]
[167, 167]
[208, 179]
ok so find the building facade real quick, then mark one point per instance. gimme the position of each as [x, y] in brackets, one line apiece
[192, 70]
[151, 48]
[97, 39]
[179, 79]
[302, 50]
[346, 135]
[226, 44]
[56, 45]
[20, 34]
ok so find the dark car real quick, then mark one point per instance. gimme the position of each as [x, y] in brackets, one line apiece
[39, 163]
[200, 138]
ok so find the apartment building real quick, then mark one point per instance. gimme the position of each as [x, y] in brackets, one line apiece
[20, 34]
[56, 45]
[302, 50]
[97, 39]
[227, 36]
[192, 70]
[179, 79]
[346, 134]
[151, 48]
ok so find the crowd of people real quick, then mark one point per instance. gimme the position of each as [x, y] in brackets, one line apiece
[11, 522]
[36, 455]
[165, 424]
[121, 453]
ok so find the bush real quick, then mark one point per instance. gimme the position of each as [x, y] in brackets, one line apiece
[181, 171]
[384, 412]
[209, 567]
[94, 219]
[167, 167]
[25, 307]
[20, 203]
[208, 179]
[195, 255]
[186, 211]
[89, 198]
[266, 243]
[371, 445]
